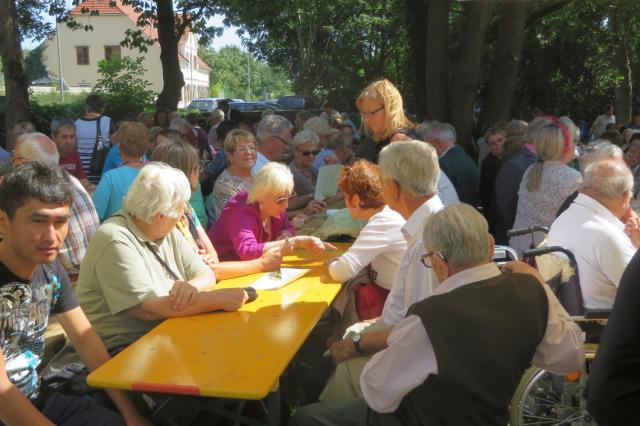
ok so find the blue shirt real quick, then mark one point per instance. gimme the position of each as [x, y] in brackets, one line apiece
[261, 161]
[111, 190]
[113, 159]
[319, 161]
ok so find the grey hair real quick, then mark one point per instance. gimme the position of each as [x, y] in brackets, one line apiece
[158, 189]
[460, 233]
[271, 125]
[303, 137]
[37, 146]
[423, 130]
[444, 131]
[413, 164]
[598, 151]
[180, 123]
[59, 122]
[609, 178]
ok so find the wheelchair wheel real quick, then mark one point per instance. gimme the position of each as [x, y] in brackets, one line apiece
[544, 398]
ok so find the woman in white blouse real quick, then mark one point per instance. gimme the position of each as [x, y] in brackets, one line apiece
[380, 246]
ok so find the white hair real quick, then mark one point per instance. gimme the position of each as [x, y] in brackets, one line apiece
[37, 146]
[158, 189]
[271, 125]
[460, 233]
[180, 123]
[413, 164]
[272, 179]
[610, 178]
[444, 131]
[598, 151]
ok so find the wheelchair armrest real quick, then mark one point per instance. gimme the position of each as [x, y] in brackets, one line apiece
[597, 314]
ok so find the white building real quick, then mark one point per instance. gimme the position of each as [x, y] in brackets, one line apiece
[81, 50]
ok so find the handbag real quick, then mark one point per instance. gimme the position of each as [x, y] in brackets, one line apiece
[369, 297]
[99, 153]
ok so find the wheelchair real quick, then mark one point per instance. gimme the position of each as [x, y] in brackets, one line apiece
[544, 398]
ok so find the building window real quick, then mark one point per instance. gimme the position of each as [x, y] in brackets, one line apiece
[82, 55]
[111, 52]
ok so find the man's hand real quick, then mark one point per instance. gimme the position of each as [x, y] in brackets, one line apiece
[343, 350]
[270, 260]
[182, 294]
[331, 160]
[314, 206]
[632, 229]
[299, 221]
[231, 299]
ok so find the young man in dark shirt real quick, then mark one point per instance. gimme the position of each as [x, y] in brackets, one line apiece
[35, 203]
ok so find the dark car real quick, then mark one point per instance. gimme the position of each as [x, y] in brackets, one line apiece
[250, 106]
[204, 104]
[299, 102]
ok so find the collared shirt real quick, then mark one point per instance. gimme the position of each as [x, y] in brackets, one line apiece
[446, 190]
[413, 282]
[83, 223]
[261, 161]
[409, 357]
[119, 272]
[602, 250]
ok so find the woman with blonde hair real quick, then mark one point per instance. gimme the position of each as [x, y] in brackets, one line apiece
[133, 143]
[383, 117]
[240, 147]
[547, 182]
[255, 221]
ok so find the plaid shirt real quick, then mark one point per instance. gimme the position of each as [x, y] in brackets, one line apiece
[82, 225]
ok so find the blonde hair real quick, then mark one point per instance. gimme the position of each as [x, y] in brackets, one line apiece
[180, 155]
[235, 136]
[386, 94]
[550, 143]
[272, 179]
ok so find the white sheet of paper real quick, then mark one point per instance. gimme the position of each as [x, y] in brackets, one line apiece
[270, 281]
[327, 182]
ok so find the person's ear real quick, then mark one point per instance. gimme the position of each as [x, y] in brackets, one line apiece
[492, 247]
[441, 268]
[4, 223]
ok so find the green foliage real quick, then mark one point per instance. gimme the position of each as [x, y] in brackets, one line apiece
[123, 87]
[33, 62]
[331, 50]
[229, 75]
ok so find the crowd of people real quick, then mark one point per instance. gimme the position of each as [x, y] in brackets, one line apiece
[114, 227]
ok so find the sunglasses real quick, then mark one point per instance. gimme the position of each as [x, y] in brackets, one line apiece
[370, 113]
[426, 258]
[282, 200]
[307, 153]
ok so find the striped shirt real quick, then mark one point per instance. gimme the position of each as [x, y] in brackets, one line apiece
[86, 136]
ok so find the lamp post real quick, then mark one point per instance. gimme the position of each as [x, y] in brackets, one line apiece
[59, 61]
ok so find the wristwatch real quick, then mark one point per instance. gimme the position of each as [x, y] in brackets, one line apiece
[356, 342]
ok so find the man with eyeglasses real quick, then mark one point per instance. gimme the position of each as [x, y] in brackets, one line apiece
[458, 355]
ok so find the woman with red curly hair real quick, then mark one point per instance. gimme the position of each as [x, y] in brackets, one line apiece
[377, 252]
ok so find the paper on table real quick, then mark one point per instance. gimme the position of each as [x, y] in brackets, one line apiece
[327, 182]
[271, 281]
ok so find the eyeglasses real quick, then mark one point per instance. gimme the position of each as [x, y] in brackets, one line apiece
[282, 200]
[498, 141]
[426, 258]
[370, 113]
[281, 140]
[307, 153]
[243, 149]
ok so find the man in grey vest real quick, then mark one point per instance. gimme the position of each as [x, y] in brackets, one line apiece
[458, 355]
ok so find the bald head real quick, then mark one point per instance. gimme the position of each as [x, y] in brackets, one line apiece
[36, 146]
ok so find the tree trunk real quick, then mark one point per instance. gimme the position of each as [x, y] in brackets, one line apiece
[623, 102]
[437, 55]
[465, 74]
[172, 77]
[501, 89]
[15, 77]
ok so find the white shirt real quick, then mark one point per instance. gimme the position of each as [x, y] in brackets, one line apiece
[380, 243]
[409, 357]
[446, 191]
[413, 281]
[602, 250]
[261, 161]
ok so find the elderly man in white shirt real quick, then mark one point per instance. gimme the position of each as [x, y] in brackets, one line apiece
[593, 228]
[410, 172]
[425, 375]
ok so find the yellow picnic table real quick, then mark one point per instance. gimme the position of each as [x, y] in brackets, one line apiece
[238, 355]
